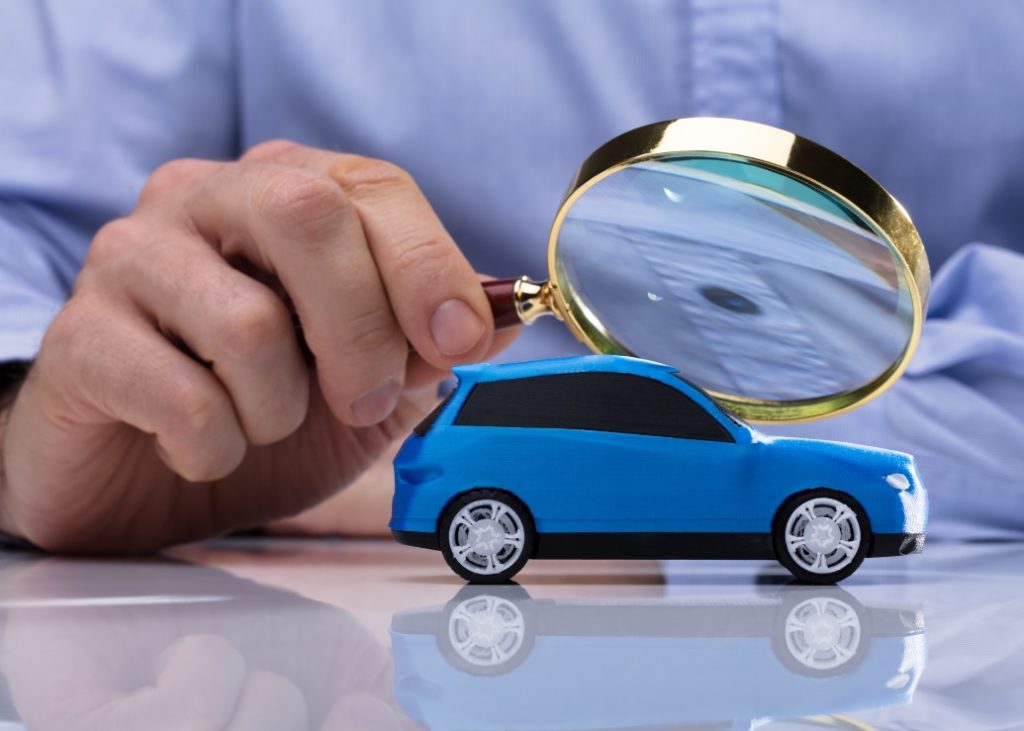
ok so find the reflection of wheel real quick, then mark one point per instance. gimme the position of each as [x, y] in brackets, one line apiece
[821, 536]
[820, 634]
[487, 631]
[486, 536]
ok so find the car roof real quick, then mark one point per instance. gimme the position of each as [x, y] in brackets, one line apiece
[481, 372]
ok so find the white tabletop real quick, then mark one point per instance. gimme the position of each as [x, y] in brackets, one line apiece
[278, 634]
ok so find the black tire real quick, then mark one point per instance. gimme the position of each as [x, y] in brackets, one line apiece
[514, 563]
[820, 632]
[844, 569]
[510, 604]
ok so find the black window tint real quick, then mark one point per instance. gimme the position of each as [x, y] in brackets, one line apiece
[616, 402]
[424, 426]
[728, 414]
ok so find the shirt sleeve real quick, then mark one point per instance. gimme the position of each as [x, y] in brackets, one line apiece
[959, 408]
[96, 94]
[30, 294]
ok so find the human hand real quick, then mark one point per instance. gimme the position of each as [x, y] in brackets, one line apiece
[361, 510]
[174, 398]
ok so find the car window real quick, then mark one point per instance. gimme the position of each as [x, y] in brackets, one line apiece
[614, 402]
[424, 426]
[728, 414]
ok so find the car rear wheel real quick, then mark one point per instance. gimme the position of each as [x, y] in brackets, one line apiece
[486, 536]
[821, 536]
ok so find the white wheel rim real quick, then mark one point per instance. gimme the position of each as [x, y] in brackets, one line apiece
[823, 633]
[486, 537]
[823, 535]
[486, 631]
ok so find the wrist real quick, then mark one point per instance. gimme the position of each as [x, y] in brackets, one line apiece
[12, 375]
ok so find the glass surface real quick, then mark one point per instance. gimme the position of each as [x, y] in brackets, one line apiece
[304, 635]
[750, 282]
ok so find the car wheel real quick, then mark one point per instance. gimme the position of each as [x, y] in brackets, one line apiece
[821, 536]
[820, 632]
[486, 536]
[487, 630]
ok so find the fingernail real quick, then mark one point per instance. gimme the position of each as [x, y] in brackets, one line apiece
[456, 329]
[376, 405]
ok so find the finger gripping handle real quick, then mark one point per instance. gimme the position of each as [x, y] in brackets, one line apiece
[501, 296]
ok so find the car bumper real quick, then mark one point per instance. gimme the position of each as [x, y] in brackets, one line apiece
[896, 544]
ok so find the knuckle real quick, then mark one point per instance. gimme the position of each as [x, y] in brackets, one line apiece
[370, 333]
[353, 171]
[270, 149]
[197, 410]
[253, 326]
[300, 200]
[114, 238]
[428, 258]
[171, 177]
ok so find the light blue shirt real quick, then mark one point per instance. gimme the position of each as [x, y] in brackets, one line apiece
[491, 106]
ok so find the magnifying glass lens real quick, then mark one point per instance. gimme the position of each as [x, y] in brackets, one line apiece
[762, 266]
[751, 282]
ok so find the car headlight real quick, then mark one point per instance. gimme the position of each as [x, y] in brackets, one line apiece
[898, 480]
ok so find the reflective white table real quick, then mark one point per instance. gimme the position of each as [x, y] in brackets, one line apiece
[276, 634]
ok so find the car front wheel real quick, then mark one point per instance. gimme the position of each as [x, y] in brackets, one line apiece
[486, 536]
[487, 630]
[821, 536]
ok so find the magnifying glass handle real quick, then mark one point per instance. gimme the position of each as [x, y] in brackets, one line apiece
[501, 295]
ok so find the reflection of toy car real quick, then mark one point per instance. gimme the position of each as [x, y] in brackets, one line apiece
[664, 663]
[613, 457]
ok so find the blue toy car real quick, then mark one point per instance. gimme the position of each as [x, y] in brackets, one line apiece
[615, 457]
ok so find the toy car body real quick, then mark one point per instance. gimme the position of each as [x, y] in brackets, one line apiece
[615, 457]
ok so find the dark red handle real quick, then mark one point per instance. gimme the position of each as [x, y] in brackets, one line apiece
[501, 295]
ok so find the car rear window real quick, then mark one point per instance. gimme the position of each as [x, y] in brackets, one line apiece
[424, 426]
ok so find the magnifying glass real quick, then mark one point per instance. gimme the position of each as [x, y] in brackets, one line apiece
[767, 269]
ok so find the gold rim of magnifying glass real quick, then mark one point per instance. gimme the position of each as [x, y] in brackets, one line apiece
[786, 153]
